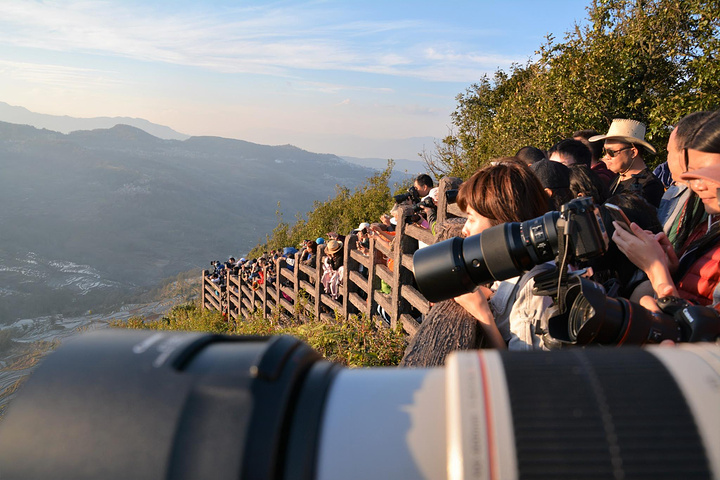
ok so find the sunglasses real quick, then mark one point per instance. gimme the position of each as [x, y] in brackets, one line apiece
[613, 153]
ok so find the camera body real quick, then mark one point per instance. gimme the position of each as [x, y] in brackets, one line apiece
[426, 202]
[412, 194]
[586, 229]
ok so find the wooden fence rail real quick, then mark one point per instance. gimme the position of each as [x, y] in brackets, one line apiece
[299, 291]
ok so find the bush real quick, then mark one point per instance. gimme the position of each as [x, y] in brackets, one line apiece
[341, 213]
[354, 342]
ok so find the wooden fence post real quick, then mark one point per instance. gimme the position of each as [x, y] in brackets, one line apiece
[371, 276]
[202, 289]
[318, 277]
[348, 262]
[444, 208]
[296, 280]
[403, 243]
[280, 263]
[264, 292]
[225, 299]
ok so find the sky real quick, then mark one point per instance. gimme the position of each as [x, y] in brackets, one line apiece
[346, 77]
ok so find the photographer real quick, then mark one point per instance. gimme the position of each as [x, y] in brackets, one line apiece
[555, 178]
[506, 191]
[419, 196]
[423, 184]
[697, 273]
[428, 199]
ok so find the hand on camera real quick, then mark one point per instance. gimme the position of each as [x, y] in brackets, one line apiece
[430, 212]
[651, 304]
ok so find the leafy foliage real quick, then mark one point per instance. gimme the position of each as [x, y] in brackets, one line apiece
[355, 341]
[653, 61]
[341, 213]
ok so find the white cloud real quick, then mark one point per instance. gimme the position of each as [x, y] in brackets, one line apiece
[56, 75]
[337, 88]
[469, 58]
[267, 40]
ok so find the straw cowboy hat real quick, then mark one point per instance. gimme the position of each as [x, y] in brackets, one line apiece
[333, 246]
[626, 131]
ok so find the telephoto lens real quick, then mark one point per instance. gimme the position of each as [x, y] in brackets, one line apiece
[457, 266]
[150, 405]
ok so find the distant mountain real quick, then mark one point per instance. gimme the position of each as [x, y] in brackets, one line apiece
[376, 151]
[89, 214]
[65, 124]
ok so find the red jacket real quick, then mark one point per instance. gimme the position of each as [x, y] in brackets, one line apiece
[702, 278]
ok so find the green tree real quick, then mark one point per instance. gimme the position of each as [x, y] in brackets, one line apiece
[650, 60]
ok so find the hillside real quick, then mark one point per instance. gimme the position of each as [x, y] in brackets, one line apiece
[88, 216]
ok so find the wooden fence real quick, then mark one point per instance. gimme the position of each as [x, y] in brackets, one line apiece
[359, 292]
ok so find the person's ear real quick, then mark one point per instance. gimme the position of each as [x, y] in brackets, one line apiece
[549, 192]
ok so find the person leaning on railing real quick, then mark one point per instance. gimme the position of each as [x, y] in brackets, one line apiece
[309, 252]
[333, 268]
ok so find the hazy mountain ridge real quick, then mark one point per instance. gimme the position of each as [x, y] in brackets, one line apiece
[376, 150]
[135, 208]
[66, 124]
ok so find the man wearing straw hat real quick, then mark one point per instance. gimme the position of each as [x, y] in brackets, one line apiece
[624, 147]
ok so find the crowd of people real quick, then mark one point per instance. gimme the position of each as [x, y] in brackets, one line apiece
[669, 245]
[263, 269]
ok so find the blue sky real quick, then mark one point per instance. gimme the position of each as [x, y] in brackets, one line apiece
[329, 76]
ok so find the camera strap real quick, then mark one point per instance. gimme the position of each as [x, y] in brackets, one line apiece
[565, 229]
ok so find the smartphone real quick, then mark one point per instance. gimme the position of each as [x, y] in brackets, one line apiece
[619, 216]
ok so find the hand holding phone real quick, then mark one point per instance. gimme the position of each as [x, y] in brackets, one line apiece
[619, 216]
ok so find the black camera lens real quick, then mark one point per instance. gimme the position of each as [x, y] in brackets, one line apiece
[401, 198]
[593, 317]
[457, 266]
[451, 195]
